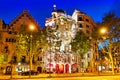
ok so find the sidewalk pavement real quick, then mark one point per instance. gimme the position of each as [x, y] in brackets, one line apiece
[58, 75]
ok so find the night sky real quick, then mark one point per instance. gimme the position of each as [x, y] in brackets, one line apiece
[41, 9]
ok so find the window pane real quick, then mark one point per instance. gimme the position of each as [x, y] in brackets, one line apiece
[80, 26]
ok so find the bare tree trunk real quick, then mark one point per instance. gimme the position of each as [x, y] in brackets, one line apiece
[111, 58]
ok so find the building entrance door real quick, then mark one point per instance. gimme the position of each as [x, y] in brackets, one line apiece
[39, 69]
[67, 68]
[8, 70]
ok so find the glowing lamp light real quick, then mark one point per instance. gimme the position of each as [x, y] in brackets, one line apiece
[19, 63]
[103, 30]
[32, 27]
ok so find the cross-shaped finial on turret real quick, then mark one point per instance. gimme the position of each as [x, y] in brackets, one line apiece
[54, 6]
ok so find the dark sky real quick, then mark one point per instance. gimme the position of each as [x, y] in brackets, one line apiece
[41, 9]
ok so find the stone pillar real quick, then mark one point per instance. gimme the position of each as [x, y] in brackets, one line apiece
[64, 68]
[69, 68]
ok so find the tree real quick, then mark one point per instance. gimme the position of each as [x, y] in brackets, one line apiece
[112, 23]
[40, 41]
[81, 44]
[3, 59]
[23, 41]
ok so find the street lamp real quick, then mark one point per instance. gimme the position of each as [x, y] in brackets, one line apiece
[102, 32]
[32, 28]
[109, 51]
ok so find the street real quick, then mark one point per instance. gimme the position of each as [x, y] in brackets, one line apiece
[75, 76]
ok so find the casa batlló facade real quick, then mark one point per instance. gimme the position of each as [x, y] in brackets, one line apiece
[62, 27]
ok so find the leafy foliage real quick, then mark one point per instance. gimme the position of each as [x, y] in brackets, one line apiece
[112, 23]
[3, 58]
[24, 39]
[81, 43]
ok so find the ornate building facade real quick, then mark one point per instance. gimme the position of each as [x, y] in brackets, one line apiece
[64, 27]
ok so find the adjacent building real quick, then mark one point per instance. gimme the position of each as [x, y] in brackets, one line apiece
[19, 62]
[87, 25]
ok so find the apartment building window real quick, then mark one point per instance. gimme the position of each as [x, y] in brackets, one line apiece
[87, 31]
[6, 49]
[80, 19]
[87, 20]
[87, 26]
[10, 40]
[13, 40]
[80, 26]
[7, 39]
[10, 32]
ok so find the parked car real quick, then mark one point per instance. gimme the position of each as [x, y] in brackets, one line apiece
[28, 72]
[115, 69]
[8, 73]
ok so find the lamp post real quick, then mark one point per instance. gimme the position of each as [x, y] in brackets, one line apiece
[102, 32]
[31, 27]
